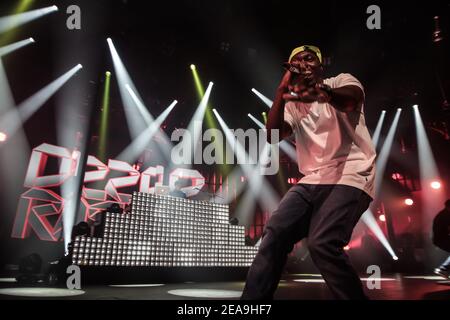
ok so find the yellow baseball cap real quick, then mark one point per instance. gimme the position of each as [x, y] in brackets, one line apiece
[304, 48]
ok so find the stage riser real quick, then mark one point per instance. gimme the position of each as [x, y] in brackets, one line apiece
[163, 231]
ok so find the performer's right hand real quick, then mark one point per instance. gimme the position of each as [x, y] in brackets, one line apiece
[295, 88]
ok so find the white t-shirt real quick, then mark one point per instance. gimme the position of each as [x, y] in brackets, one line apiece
[333, 147]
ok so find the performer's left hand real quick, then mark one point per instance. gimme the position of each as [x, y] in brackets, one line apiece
[323, 93]
[308, 93]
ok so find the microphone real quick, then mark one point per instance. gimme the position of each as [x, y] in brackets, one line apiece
[291, 68]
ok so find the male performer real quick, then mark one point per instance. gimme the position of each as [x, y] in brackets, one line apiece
[177, 191]
[441, 238]
[336, 156]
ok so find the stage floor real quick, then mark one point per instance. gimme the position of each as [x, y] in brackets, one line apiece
[292, 287]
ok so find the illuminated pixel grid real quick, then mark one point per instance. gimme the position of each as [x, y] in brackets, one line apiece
[164, 231]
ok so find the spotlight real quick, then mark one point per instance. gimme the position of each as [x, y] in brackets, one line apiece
[264, 114]
[193, 67]
[376, 134]
[369, 219]
[395, 258]
[428, 169]
[346, 248]
[194, 128]
[382, 217]
[435, 185]
[136, 114]
[258, 186]
[263, 98]
[285, 146]
[15, 46]
[13, 21]
[108, 74]
[409, 202]
[385, 152]
[3, 137]
[13, 120]
[132, 152]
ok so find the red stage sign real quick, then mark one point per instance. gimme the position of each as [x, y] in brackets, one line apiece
[41, 209]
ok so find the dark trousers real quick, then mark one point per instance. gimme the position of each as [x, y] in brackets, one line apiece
[326, 214]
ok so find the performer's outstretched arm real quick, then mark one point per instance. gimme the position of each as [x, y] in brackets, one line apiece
[345, 99]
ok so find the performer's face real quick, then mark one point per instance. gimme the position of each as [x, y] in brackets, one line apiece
[310, 74]
[309, 65]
